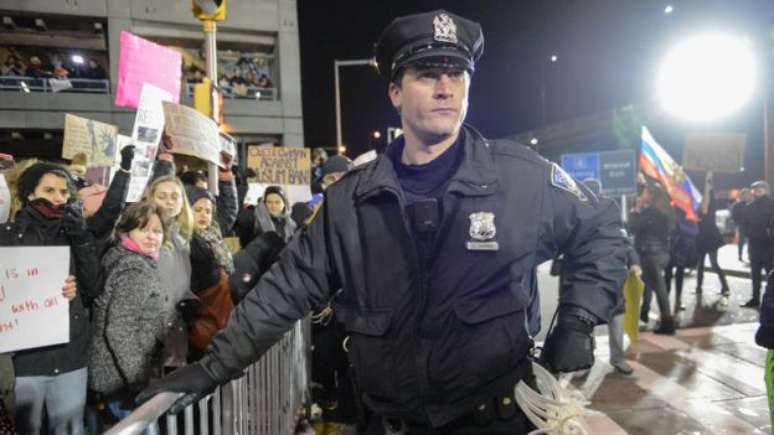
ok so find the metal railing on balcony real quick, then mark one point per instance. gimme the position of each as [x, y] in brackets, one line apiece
[267, 400]
[51, 85]
[242, 92]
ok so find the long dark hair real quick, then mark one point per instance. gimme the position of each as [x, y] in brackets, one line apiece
[138, 215]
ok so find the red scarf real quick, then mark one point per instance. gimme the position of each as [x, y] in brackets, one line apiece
[47, 209]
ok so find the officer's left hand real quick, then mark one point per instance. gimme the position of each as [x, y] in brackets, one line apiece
[569, 347]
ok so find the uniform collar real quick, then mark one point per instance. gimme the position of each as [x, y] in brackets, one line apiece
[476, 175]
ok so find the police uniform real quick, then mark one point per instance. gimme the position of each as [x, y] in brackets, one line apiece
[434, 344]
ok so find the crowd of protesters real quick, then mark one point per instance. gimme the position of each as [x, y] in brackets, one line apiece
[52, 66]
[150, 282]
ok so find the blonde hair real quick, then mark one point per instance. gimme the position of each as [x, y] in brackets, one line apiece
[185, 219]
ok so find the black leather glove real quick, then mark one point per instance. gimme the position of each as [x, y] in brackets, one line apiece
[127, 155]
[192, 380]
[74, 224]
[189, 309]
[569, 347]
[205, 272]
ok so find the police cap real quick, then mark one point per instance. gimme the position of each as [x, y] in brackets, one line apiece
[434, 39]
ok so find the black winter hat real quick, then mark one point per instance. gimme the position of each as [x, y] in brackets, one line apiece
[336, 164]
[31, 177]
[196, 193]
[278, 190]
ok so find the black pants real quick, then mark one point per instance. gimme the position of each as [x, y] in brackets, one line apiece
[713, 255]
[653, 267]
[479, 423]
[760, 260]
[679, 275]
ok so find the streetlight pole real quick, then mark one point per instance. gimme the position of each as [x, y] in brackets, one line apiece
[336, 64]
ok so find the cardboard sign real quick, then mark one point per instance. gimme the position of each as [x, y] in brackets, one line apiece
[280, 165]
[141, 61]
[95, 139]
[5, 200]
[33, 312]
[146, 135]
[718, 152]
[191, 133]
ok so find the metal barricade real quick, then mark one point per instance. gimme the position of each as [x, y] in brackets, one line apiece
[267, 400]
[241, 92]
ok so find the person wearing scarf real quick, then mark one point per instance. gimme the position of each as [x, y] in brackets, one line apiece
[53, 377]
[129, 314]
[211, 266]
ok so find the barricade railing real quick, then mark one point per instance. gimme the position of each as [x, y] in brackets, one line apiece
[51, 85]
[267, 400]
[241, 92]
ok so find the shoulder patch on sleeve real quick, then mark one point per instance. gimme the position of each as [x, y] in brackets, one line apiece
[564, 181]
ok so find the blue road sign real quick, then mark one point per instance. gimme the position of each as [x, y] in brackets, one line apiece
[615, 170]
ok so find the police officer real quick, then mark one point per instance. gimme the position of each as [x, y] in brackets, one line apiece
[433, 245]
[758, 217]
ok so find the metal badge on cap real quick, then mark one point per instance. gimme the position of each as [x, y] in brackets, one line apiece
[445, 29]
[482, 231]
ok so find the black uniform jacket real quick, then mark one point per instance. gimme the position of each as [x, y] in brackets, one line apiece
[428, 343]
[31, 229]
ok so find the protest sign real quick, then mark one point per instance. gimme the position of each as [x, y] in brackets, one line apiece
[280, 165]
[191, 133]
[228, 152]
[718, 152]
[95, 139]
[141, 61]
[33, 312]
[5, 200]
[146, 135]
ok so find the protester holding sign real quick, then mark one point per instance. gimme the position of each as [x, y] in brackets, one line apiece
[129, 314]
[54, 376]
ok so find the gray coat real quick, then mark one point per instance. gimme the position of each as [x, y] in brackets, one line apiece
[129, 323]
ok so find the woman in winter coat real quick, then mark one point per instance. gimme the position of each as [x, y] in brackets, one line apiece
[709, 241]
[211, 264]
[650, 222]
[272, 213]
[180, 304]
[128, 315]
[54, 377]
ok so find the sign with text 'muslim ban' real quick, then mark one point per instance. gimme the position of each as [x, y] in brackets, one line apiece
[33, 312]
[280, 165]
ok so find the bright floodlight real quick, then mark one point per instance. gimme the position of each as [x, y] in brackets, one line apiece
[707, 77]
[77, 59]
[669, 9]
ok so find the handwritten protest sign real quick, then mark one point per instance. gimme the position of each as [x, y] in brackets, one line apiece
[33, 312]
[95, 139]
[191, 133]
[141, 61]
[718, 152]
[146, 135]
[5, 200]
[280, 165]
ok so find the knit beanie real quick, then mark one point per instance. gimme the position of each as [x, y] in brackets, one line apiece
[278, 191]
[196, 193]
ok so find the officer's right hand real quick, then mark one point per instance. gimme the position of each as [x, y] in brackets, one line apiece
[192, 380]
[569, 347]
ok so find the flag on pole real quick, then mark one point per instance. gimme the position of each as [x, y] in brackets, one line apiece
[660, 166]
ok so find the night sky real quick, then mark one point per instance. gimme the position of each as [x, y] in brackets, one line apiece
[608, 53]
